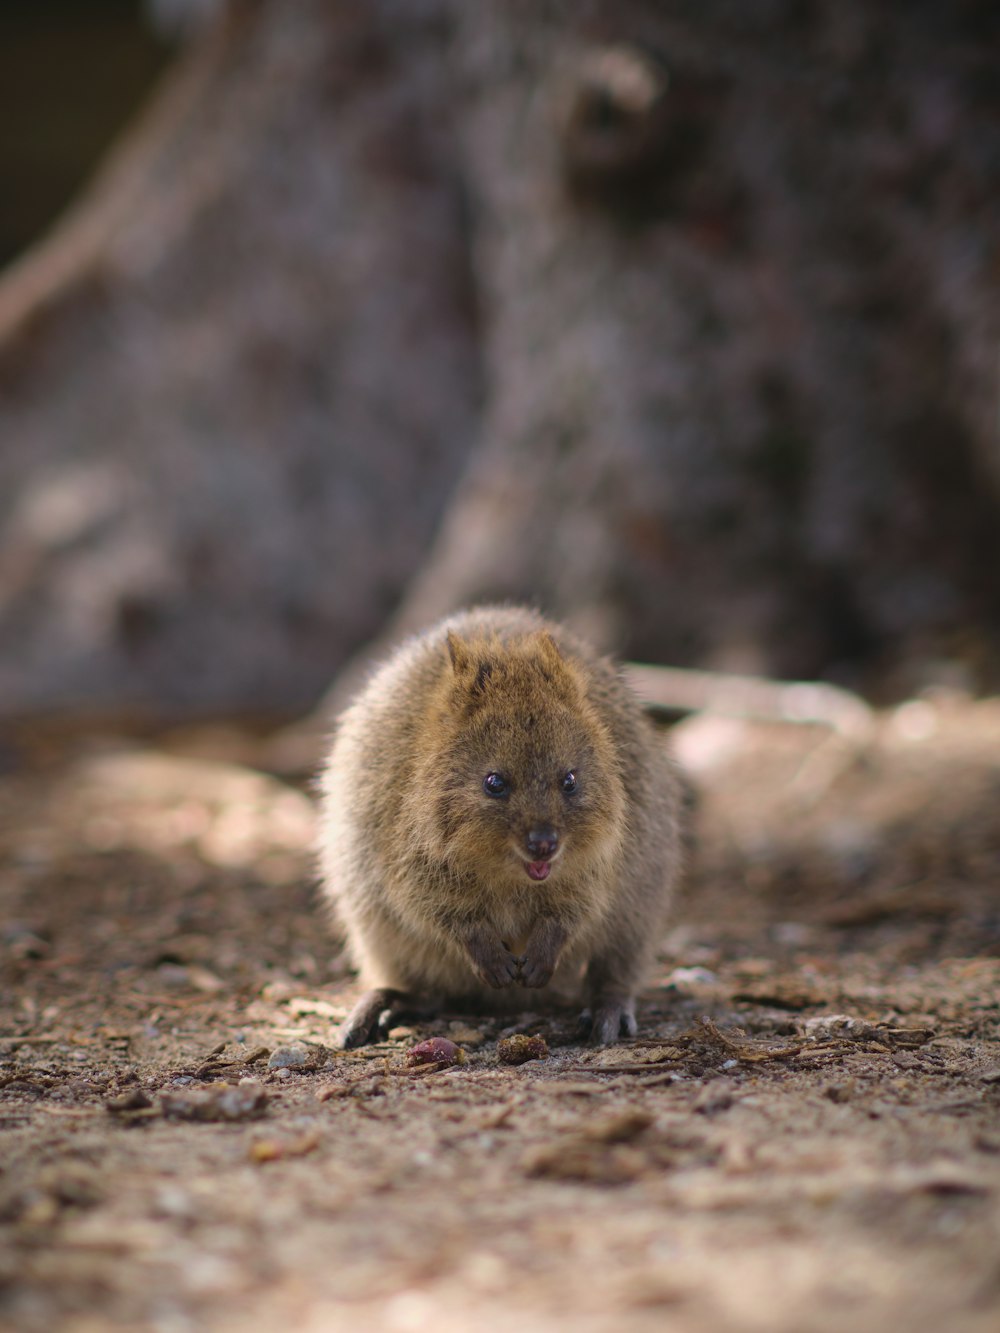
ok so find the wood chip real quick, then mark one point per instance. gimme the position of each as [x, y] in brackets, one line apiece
[618, 1126]
[581, 1160]
[133, 1100]
[274, 1150]
[569, 1087]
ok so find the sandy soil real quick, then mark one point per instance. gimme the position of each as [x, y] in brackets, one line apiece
[806, 1135]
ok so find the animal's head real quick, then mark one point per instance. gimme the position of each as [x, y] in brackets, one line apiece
[525, 776]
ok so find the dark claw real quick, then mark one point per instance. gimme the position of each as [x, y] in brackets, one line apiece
[542, 953]
[492, 961]
[499, 973]
[362, 1024]
[612, 1019]
[536, 973]
[354, 1035]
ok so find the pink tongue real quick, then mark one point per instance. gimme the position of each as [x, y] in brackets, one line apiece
[538, 869]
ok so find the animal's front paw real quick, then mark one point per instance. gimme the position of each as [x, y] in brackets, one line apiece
[492, 961]
[536, 971]
[499, 971]
[541, 954]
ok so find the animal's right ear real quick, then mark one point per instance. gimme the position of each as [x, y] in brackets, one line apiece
[458, 651]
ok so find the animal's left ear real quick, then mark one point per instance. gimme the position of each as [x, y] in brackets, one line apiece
[548, 649]
[458, 651]
[559, 672]
[470, 668]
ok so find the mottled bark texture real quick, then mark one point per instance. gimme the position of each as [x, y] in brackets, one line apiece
[730, 385]
[740, 271]
[236, 385]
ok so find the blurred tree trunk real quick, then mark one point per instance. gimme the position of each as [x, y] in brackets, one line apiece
[711, 288]
[237, 382]
[740, 268]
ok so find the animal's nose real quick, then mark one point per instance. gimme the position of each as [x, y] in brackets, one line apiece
[542, 843]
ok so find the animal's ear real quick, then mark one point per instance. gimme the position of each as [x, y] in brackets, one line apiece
[458, 651]
[471, 669]
[548, 649]
[558, 671]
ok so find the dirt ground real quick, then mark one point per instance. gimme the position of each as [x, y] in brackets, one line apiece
[805, 1135]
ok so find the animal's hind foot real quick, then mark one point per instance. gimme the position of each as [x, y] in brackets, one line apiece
[610, 1020]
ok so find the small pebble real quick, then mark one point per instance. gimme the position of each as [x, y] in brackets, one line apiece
[286, 1057]
[173, 974]
[840, 1092]
[691, 976]
[219, 1101]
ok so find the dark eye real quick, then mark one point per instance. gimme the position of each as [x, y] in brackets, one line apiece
[569, 782]
[494, 785]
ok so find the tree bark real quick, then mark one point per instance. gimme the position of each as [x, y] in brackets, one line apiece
[710, 288]
[236, 384]
[741, 339]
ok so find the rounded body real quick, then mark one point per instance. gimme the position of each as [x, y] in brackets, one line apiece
[499, 814]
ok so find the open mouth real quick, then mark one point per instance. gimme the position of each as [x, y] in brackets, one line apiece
[538, 869]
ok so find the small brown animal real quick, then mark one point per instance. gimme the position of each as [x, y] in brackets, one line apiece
[498, 814]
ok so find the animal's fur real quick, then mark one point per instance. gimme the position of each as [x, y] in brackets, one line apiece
[428, 873]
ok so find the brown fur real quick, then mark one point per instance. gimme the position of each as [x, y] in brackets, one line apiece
[428, 873]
